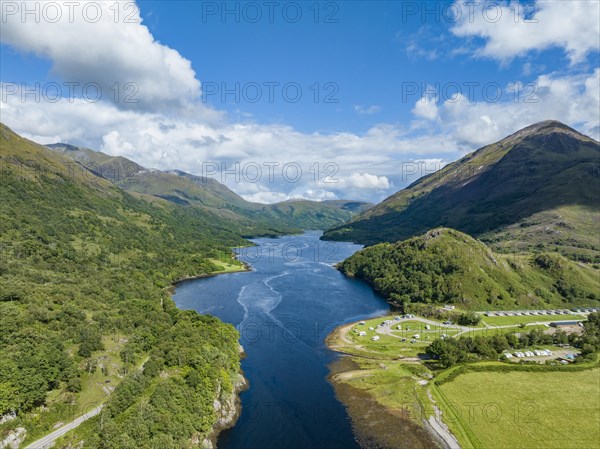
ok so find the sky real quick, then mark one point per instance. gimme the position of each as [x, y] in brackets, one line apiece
[281, 100]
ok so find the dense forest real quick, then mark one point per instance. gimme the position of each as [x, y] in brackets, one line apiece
[85, 313]
[448, 266]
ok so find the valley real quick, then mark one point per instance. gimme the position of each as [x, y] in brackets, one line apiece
[121, 346]
[300, 225]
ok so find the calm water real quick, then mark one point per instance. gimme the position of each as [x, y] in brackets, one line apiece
[284, 309]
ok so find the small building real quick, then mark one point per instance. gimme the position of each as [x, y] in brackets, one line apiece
[416, 336]
[361, 323]
[399, 327]
[508, 355]
[564, 323]
[449, 307]
[362, 333]
[371, 328]
[375, 338]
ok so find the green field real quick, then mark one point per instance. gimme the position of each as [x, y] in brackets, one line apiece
[228, 266]
[507, 320]
[525, 410]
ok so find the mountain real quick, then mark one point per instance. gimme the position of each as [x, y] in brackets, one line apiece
[537, 188]
[208, 194]
[85, 311]
[447, 266]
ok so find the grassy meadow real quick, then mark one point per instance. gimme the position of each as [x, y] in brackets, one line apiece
[524, 410]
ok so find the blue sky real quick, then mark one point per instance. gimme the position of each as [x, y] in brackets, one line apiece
[367, 53]
[378, 81]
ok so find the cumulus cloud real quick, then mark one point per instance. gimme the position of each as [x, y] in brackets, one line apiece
[366, 181]
[168, 142]
[426, 108]
[572, 99]
[104, 43]
[512, 29]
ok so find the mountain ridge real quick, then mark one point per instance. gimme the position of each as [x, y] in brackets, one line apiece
[186, 189]
[546, 168]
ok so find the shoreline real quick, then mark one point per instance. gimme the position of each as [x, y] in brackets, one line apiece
[246, 267]
[346, 368]
[231, 407]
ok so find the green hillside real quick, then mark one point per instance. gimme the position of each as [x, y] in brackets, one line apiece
[84, 306]
[448, 266]
[212, 196]
[541, 183]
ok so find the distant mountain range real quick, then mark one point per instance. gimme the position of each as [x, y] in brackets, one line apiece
[185, 189]
[537, 188]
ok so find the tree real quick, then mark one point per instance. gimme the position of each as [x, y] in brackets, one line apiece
[469, 319]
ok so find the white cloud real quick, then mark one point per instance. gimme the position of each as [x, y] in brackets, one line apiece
[367, 110]
[573, 99]
[168, 142]
[426, 108]
[114, 49]
[266, 197]
[189, 137]
[270, 196]
[512, 30]
[366, 181]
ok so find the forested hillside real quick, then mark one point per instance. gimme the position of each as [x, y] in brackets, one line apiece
[84, 307]
[448, 266]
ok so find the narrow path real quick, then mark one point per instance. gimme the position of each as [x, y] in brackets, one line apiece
[44, 443]
[435, 421]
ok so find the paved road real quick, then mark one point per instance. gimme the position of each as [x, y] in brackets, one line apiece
[43, 443]
[386, 329]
